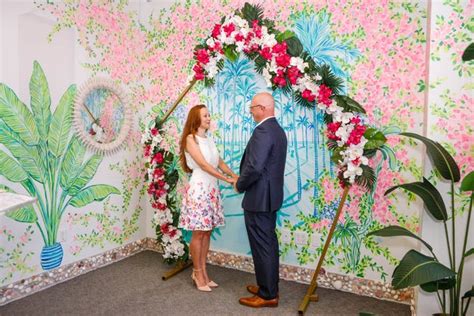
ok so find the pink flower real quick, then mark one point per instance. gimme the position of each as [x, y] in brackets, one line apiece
[324, 95]
[154, 131]
[147, 151]
[158, 158]
[280, 48]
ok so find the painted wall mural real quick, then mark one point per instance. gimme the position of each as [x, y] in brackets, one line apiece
[378, 47]
[46, 161]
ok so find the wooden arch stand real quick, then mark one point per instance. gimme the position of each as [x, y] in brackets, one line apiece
[310, 296]
[180, 266]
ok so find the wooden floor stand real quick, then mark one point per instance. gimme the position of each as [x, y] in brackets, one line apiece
[310, 296]
[177, 269]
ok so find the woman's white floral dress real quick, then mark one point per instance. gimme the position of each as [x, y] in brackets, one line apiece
[202, 204]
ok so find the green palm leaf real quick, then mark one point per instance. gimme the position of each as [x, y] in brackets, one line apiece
[11, 169]
[431, 197]
[40, 100]
[61, 123]
[24, 215]
[467, 183]
[93, 193]
[469, 252]
[86, 173]
[367, 178]
[440, 157]
[71, 163]
[17, 116]
[28, 156]
[394, 230]
[444, 284]
[416, 268]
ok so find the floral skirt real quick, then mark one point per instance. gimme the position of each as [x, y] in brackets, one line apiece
[202, 207]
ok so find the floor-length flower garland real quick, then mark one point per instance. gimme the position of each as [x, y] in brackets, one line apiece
[279, 57]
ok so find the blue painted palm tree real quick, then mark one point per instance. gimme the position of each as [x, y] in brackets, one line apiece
[232, 73]
[314, 32]
[247, 87]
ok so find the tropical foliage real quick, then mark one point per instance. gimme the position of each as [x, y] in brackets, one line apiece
[43, 157]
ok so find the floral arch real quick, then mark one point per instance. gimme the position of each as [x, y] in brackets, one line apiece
[280, 58]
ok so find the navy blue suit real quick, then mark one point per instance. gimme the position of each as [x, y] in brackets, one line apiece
[261, 178]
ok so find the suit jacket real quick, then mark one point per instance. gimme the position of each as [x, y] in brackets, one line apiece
[262, 168]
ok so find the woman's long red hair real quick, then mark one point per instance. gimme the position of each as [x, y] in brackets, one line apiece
[191, 126]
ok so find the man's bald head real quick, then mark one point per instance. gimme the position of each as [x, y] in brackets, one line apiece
[263, 106]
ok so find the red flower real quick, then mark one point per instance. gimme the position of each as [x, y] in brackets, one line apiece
[147, 151]
[279, 80]
[158, 172]
[151, 188]
[308, 95]
[165, 228]
[332, 129]
[91, 131]
[324, 95]
[173, 232]
[154, 131]
[280, 48]
[283, 60]
[228, 29]
[161, 183]
[216, 31]
[356, 135]
[199, 72]
[199, 76]
[266, 53]
[257, 28]
[158, 158]
[202, 55]
[239, 37]
[293, 74]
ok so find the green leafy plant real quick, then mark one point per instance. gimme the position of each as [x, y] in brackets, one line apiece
[44, 158]
[427, 271]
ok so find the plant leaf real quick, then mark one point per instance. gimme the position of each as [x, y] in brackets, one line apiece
[230, 53]
[283, 36]
[40, 100]
[61, 123]
[389, 155]
[11, 169]
[349, 105]
[468, 53]
[391, 231]
[440, 157]
[467, 183]
[24, 215]
[93, 193]
[429, 194]
[416, 268]
[27, 156]
[367, 178]
[17, 116]
[71, 163]
[295, 48]
[469, 252]
[376, 138]
[469, 293]
[86, 173]
[434, 286]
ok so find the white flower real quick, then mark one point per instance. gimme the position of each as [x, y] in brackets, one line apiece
[210, 42]
[352, 171]
[299, 63]
[239, 46]
[163, 217]
[343, 117]
[268, 78]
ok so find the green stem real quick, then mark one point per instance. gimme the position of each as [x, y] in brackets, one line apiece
[467, 306]
[444, 302]
[441, 302]
[453, 268]
[41, 231]
[447, 242]
[466, 234]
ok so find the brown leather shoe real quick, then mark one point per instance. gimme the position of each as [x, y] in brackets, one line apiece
[257, 301]
[253, 289]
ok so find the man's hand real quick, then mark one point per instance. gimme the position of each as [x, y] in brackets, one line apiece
[235, 184]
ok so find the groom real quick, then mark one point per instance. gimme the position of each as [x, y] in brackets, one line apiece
[261, 178]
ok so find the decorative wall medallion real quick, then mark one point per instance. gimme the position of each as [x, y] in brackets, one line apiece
[102, 116]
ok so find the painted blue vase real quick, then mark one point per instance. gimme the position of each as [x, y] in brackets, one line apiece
[51, 256]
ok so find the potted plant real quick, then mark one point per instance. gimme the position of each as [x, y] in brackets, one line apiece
[46, 161]
[427, 271]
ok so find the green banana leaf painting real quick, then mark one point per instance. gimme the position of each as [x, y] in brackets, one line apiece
[46, 160]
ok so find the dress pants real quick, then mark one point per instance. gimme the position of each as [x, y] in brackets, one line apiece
[265, 253]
